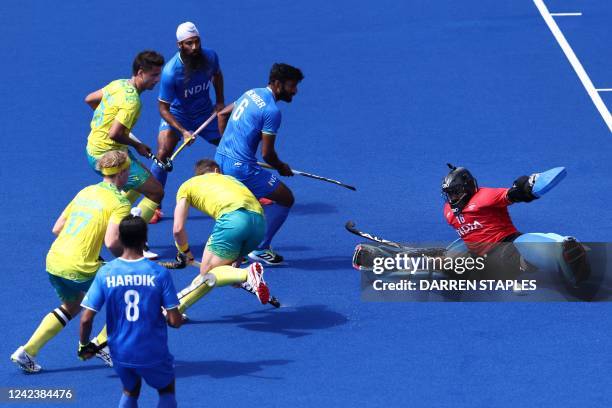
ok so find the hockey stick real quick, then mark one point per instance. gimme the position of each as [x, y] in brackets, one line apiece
[193, 136]
[350, 227]
[167, 165]
[314, 176]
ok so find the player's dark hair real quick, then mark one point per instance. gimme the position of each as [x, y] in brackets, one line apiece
[205, 166]
[133, 232]
[284, 72]
[147, 60]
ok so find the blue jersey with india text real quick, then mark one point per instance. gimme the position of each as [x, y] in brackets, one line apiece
[254, 112]
[191, 97]
[134, 292]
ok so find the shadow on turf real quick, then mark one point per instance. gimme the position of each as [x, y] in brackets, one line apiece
[226, 369]
[313, 208]
[293, 322]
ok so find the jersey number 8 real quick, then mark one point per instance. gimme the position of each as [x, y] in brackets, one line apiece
[131, 298]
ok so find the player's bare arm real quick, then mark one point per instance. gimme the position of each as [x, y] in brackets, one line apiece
[268, 153]
[94, 98]
[111, 239]
[223, 117]
[87, 318]
[164, 111]
[59, 225]
[180, 216]
[217, 81]
[120, 134]
[174, 317]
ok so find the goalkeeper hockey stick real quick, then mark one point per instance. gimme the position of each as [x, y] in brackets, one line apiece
[314, 176]
[350, 227]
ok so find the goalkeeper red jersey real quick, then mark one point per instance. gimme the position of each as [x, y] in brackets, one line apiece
[484, 221]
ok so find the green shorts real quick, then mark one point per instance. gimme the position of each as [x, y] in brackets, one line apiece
[68, 290]
[138, 173]
[236, 234]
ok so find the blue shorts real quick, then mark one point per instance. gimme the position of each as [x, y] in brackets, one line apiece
[68, 290]
[210, 133]
[261, 182]
[138, 174]
[158, 376]
[236, 234]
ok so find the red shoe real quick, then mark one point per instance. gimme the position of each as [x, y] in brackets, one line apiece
[156, 216]
[256, 283]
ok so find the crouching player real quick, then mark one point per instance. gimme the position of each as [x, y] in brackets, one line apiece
[134, 290]
[239, 228]
[90, 219]
[480, 217]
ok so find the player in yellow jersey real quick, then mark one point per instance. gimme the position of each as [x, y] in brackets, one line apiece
[117, 108]
[91, 218]
[239, 228]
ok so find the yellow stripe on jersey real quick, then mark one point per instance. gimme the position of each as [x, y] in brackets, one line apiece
[120, 102]
[74, 253]
[217, 194]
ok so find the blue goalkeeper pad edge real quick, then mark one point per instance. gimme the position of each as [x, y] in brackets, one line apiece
[548, 179]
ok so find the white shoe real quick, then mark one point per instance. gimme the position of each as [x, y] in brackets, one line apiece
[256, 284]
[148, 254]
[103, 354]
[25, 361]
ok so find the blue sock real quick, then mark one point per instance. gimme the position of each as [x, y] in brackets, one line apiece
[128, 402]
[275, 217]
[167, 400]
[160, 174]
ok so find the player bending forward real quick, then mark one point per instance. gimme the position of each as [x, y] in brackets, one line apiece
[134, 290]
[91, 218]
[239, 227]
[480, 217]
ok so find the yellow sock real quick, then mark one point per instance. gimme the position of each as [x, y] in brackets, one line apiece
[102, 337]
[48, 328]
[200, 286]
[132, 195]
[148, 208]
[227, 275]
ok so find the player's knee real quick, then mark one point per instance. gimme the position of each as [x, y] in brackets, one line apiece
[156, 191]
[169, 389]
[134, 392]
[285, 198]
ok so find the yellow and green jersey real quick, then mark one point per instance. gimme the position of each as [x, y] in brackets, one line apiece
[217, 194]
[120, 102]
[74, 253]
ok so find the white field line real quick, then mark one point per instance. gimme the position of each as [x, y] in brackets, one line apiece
[565, 14]
[604, 90]
[575, 62]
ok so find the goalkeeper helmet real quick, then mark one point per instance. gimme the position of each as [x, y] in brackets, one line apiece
[458, 187]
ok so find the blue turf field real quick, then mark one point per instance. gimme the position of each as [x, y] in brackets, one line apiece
[393, 91]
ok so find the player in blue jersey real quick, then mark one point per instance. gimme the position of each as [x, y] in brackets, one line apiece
[134, 290]
[184, 100]
[252, 119]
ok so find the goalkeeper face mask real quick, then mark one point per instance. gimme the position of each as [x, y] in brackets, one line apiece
[458, 187]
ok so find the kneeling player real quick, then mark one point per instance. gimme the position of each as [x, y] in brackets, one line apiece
[134, 290]
[91, 218]
[480, 217]
[239, 228]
